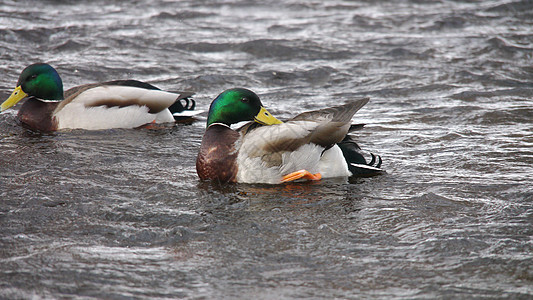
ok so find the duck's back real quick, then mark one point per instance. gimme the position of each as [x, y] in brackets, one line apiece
[113, 106]
[307, 141]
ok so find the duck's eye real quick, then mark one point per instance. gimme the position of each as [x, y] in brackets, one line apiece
[245, 100]
[32, 77]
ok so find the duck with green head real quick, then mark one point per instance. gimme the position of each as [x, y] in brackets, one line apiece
[312, 145]
[111, 104]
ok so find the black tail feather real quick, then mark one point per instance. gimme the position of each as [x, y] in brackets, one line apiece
[355, 127]
[178, 106]
[378, 165]
[357, 163]
[373, 160]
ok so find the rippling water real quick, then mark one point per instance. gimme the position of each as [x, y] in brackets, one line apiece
[121, 214]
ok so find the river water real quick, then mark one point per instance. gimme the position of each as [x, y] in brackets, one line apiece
[121, 214]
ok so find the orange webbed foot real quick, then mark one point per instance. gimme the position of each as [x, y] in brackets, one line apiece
[302, 174]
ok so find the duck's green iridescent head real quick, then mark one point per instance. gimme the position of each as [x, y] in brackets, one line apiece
[38, 80]
[236, 105]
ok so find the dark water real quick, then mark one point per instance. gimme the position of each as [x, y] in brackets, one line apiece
[120, 214]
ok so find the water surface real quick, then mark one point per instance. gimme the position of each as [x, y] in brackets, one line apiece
[121, 213]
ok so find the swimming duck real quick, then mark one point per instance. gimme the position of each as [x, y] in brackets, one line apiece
[112, 104]
[312, 145]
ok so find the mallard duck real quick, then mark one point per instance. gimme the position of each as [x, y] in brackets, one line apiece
[312, 145]
[112, 104]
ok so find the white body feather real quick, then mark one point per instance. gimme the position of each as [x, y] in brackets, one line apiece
[79, 114]
[311, 157]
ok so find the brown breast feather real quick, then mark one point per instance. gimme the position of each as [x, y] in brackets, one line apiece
[38, 115]
[217, 156]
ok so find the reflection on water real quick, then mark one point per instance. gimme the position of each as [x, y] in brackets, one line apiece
[122, 214]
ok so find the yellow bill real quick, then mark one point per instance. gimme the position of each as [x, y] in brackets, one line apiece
[17, 95]
[265, 118]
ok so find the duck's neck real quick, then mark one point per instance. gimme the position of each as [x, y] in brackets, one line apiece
[218, 124]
